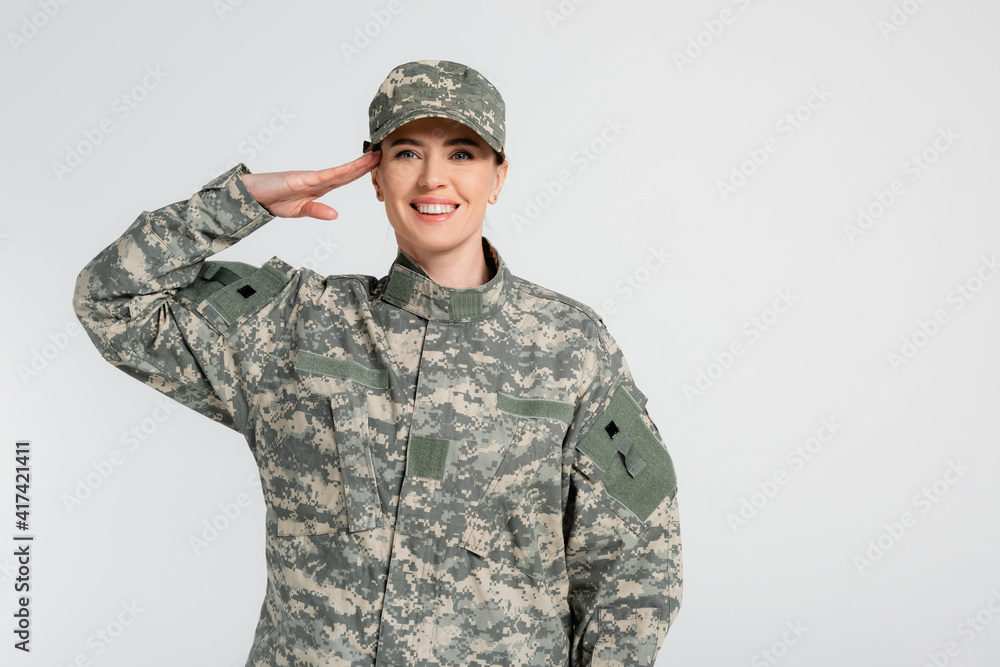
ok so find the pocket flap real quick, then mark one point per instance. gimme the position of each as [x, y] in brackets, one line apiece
[350, 421]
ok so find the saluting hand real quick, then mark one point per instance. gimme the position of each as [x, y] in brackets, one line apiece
[292, 194]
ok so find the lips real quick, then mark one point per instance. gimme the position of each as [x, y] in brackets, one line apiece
[434, 205]
[434, 209]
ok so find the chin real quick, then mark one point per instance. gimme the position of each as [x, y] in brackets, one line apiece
[435, 240]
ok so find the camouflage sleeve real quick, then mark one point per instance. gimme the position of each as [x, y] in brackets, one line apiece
[158, 311]
[623, 551]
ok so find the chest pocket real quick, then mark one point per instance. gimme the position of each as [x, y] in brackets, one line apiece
[321, 476]
[518, 520]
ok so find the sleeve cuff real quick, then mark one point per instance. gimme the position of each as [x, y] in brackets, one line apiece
[233, 207]
[626, 637]
[220, 180]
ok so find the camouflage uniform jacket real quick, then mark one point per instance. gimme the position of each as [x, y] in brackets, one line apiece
[452, 476]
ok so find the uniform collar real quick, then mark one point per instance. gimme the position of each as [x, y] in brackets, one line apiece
[409, 287]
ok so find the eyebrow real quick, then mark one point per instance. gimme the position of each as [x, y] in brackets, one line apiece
[458, 141]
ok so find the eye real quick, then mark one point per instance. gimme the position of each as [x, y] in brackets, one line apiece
[406, 153]
[463, 155]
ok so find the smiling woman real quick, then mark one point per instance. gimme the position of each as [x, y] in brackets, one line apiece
[436, 171]
[457, 464]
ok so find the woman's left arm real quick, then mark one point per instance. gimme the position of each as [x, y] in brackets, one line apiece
[622, 525]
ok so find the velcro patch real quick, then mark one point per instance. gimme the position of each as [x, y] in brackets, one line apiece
[427, 457]
[535, 407]
[213, 276]
[239, 297]
[637, 469]
[377, 378]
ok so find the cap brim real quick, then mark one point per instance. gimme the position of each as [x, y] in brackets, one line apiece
[414, 114]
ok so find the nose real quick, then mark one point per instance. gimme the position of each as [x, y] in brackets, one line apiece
[432, 172]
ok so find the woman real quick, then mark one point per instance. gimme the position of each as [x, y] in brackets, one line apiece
[457, 465]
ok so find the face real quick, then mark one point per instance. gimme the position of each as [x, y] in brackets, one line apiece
[436, 177]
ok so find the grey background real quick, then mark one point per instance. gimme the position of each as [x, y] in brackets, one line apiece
[671, 132]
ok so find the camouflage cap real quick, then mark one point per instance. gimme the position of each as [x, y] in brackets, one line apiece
[440, 88]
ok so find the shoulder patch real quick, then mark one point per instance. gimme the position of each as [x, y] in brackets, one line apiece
[233, 289]
[636, 468]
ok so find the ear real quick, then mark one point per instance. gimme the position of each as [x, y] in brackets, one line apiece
[501, 176]
[376, 184]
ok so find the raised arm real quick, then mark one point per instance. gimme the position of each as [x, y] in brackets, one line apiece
[201, 332]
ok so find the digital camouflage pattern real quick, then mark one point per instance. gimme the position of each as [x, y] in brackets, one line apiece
[437, 88]
[452, 476]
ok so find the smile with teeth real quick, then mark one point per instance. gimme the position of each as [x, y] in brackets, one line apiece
[434, 209]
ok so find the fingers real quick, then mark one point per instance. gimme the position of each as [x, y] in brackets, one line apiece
[334, 177]
[315, 209]
[293, 193]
